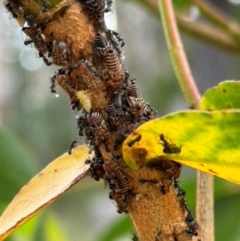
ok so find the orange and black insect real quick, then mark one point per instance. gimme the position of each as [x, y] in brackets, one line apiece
[31, 20]
[133, 90]
[118, 183]
[97, 9]
[60, 53]
[112, 61]
[101, 45]
[38, 40]
[97, 126]
[114, 110]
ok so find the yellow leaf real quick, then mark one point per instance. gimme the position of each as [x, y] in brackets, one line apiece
[205, 140]
[44, 188]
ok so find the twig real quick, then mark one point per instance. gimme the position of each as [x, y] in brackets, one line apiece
[217, 17]
[177, 54]
[199, 30]
[204, 207]
[209, 35]
[186, 81]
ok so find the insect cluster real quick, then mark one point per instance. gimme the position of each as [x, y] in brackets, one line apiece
[190, 221]
[103, 94]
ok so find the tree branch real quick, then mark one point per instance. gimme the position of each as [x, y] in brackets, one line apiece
[187, 83]
[74, 36]
[200, 31]
[219, 18]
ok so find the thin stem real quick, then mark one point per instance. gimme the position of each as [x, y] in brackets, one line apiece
[186, 81]
[199, 30]
[177, 54]
[204, 207]
[217, 17]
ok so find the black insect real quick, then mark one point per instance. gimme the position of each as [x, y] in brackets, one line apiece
[133, 90]
[169, 148]
[134, 237]
[101, 45]
[115, 35]
[38, 40]
[192, 225]
[190, 221]
[90, 76]
[97, 126]
[94, 118]
[33, 35]
[122, 125]
[150, 181]
[53, 84]
[31, 20]
[162, 184]
[14, 8]
[82, 125]
[114, 110]
[97, 9]
[109, 6]
[60, 53]
[112, 61]
[171, 169]
[97, 170]
[138, 108]
[72, 145]
[44, 5]
[137, 139]
[62, 80]
[179, 191]
[88, 161]
[117, 99]
[118, 183]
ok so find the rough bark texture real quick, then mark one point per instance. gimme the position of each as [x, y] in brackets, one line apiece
[73, 35]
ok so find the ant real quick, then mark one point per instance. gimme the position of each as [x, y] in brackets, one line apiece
[137, 139]
[169, 148]
[72, 145]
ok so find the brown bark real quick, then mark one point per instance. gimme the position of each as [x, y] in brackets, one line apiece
[151, 196]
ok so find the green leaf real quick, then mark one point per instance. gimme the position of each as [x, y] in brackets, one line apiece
[227, 213]
[181, 4]
[118, 229]
[43, 226]
[223, 96]
[17, 165]
[49, 229]
[205, 140]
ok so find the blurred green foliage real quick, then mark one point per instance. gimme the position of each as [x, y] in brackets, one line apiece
[36, 128]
